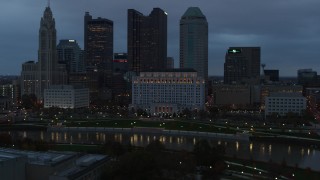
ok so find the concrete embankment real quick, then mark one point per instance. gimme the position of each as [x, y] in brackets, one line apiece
[158, 131]
[287, 140]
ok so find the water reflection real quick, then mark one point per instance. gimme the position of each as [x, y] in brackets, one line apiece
[270, 149]
[289, 150]
[304, 157]
[237, 146]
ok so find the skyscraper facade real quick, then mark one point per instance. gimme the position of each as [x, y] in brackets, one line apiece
[47, 71]
[98, 38]
[194, 41]
[242, 65]
[147, 40]
[69, 53]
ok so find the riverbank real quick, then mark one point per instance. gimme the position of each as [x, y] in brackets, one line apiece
[306, 142]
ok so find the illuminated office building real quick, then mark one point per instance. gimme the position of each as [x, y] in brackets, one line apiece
[242, 65]
[147, 40]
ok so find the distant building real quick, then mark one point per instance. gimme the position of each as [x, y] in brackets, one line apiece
[66, 96]
[35, 77]
[168, 91]
[69, 53]
[266, 90]
[9, 91]
[120, 63]
[147, 40]
[5, 103]
[98, 44]
[283, 103]
[242, 65]
[170, 63]
[308, 77]
[235, 96]
[194, 41]
[271, 75]
[29, 77]
[313, 99]
[120, 67]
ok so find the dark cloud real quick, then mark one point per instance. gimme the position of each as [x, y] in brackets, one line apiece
[287, 30]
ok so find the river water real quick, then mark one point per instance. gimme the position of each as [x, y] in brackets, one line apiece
[293, 155]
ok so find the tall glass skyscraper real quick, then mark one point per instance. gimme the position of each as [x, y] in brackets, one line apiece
[194, 41]
[147, 40]
[98, 44]
[242, 65]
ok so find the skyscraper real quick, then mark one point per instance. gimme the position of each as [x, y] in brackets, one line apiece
[242, 65]
[147, 40]
[69, 53]
[194, 41]
[98, 38]
[47, 71]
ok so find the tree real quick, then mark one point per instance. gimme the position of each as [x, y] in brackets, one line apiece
[202, 114]
[202, 152]
[113, 148]
[139, 165]
[155, 146]
[5, 139]
[186, 112]
[213, 112]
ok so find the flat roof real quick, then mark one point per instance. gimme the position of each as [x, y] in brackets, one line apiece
[172, 70]
[84, 164]
[42, 158]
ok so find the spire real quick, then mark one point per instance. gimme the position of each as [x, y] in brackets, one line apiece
[48, 3]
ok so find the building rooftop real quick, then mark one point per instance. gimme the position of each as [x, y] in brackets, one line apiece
[285, 94]
[193, 12]
[84, 164]
[172, 70]
[35, 157]
[66, 87]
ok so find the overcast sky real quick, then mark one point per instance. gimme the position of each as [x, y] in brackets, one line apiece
[288, 31]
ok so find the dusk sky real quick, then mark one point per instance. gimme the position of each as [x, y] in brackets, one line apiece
[288, 31]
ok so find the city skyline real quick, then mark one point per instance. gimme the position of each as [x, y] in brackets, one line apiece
[286, 31]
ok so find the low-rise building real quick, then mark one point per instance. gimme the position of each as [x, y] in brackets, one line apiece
[266, 90]
[51, 165]
[237, 96]
[66, 96]
[168, 91]
[284, 103]
[89, 166]
[12, 166]
[5, 103]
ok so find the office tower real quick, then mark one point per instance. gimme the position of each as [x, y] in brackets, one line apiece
[242, 65]
[48, 67]
[98, 52]
[308, 77]
[69, 53]
[120, 63]
[194, 41]
[47, 71]
[120, 88]
[147, 40]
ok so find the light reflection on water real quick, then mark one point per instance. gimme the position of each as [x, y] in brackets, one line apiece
[304, 157]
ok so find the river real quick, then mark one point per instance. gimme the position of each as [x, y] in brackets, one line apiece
[293, 155]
